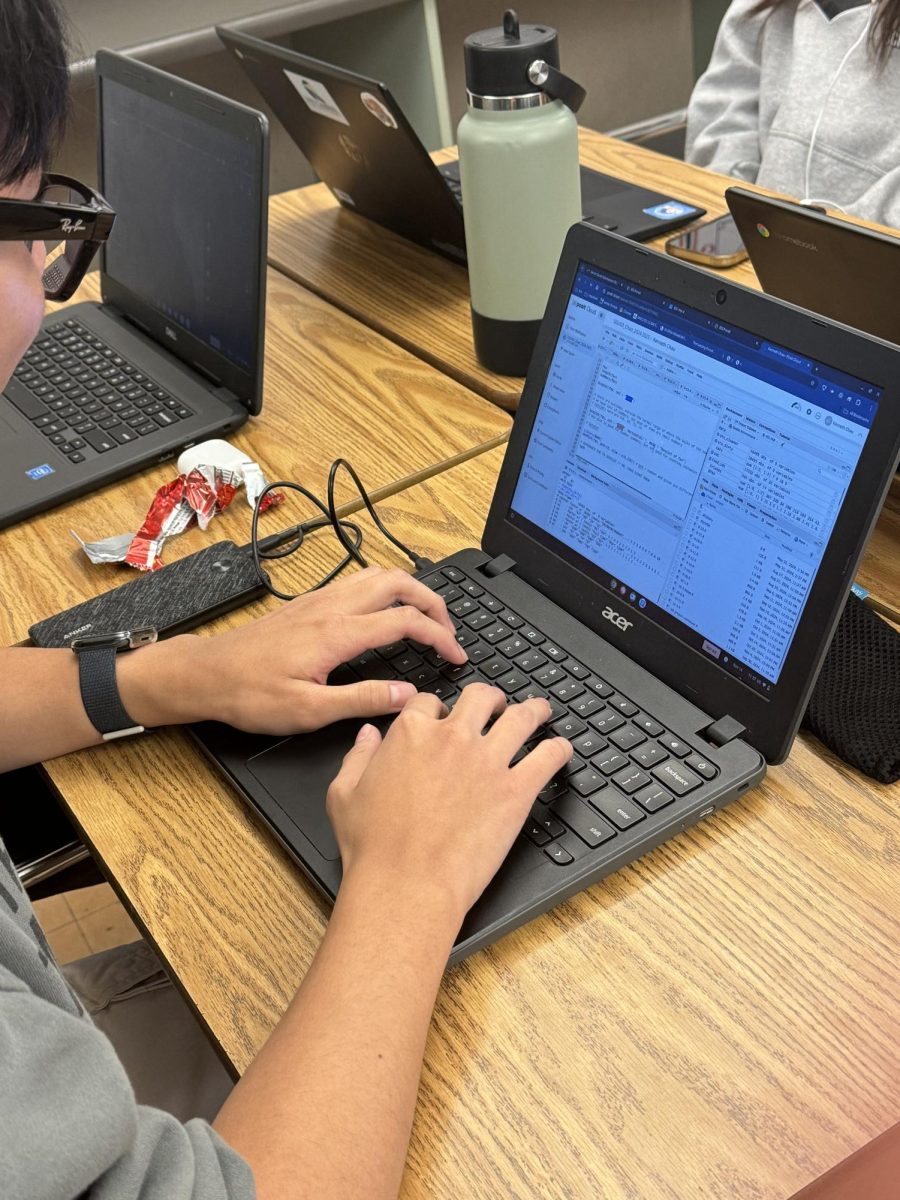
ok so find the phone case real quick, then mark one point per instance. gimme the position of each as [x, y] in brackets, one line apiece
[173, 599]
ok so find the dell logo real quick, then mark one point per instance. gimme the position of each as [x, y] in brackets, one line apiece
[620, 623]
[68, 226]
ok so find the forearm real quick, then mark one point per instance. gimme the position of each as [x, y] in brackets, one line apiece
[41, 713]
[326, 1108]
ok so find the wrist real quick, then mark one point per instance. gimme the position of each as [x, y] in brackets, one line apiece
[158, 684]
[431, 912]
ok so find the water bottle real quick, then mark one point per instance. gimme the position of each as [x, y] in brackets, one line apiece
[521, 186]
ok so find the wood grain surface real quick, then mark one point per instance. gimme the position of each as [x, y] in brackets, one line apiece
[332, 387]
[719, 1020]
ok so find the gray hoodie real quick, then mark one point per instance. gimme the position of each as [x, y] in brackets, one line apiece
[753, 112]
[70, 1125]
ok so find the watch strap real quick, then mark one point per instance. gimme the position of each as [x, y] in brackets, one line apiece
[100, 693]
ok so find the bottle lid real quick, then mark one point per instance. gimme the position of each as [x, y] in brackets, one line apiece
[497, 59]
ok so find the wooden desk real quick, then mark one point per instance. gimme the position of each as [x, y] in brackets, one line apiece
[332, 387]
[721, 1019]
[421, 300]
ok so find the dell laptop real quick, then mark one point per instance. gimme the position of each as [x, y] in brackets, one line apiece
[360, 144]
[844, 271]
[691, 478]
[174, 353]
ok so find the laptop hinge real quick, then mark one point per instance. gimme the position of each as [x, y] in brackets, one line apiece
[723, 731]
[498, 565]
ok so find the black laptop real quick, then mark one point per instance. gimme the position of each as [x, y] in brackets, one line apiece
[844, 271]
[360, 144]
[174, 354]
[690, 481]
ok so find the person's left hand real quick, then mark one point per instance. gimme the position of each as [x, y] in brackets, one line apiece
[269, 675]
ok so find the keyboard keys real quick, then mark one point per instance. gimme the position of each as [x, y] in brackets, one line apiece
[407, 661]
[653, 797]
[511, 619]
[421, 675]
[701, 766]
[496, 633]
[464, 606]
[620, 704]
[449, 592]
[585, 705]
[531, 635]
[582, 821]
[532, 660]
[677, 777]
[576, 669]
[493, 667]
[649, 755]
[630, 778]
[606, 721]
[627, 738]
[442, 688]
[99, 440]
[553, 652]
[393, 650]
[599, 688]
[479, 652]
[648, 725]
[536, 833]
[492, 604]
[471, 588]
[478, 620]
[589, 744]
[454, 574]
[619, 809]
[609, 761]
[559, 854]
[573, 766]
[554, 789]
[549, 675]
[587, 781]
[512, 646]
[567, 689]
[513, 682]
[568, 726]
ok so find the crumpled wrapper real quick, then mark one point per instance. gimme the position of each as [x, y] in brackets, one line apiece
[210, 475]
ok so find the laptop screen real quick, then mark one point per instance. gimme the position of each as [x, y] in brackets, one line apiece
[187, 198]
[692, 468]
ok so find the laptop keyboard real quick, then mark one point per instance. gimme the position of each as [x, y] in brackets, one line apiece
[85, 397]
[626, 764]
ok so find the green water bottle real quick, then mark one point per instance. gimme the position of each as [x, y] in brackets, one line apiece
[521, 186]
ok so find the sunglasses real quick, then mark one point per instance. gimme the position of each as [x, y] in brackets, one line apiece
[71, 219]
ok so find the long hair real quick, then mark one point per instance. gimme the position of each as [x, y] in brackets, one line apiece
[34, 85]
[884, 34]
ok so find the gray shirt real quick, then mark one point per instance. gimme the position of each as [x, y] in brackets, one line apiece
[753, 112]
[70, 1125]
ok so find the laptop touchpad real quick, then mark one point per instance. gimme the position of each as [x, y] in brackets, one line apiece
[296, 774]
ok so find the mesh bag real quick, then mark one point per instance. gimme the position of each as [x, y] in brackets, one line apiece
[855, 706]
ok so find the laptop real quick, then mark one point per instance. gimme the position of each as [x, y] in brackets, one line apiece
[844, 271]
[174, 353]
[360, 144]
[690, 481]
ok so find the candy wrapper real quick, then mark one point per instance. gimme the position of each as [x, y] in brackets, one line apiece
[209, 476]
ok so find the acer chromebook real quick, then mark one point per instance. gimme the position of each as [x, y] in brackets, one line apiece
[174, 353]
[691, 478]
[360, 144]
[823, 263]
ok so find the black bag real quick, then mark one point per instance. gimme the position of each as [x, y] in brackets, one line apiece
[855, 706]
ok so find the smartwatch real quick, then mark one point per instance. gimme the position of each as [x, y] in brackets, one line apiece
[97, 679]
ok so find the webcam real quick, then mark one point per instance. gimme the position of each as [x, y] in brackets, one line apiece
[721, 296]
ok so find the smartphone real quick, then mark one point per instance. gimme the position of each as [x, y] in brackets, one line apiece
[713, 244]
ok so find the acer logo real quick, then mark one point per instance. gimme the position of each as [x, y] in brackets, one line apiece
[610, 614]
[72, 226]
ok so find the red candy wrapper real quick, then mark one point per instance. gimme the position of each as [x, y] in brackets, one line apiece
[211, 475]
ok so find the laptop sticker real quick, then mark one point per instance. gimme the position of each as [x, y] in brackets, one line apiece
[317, 97]
[378, 109]
[41, 472]
[669, 210]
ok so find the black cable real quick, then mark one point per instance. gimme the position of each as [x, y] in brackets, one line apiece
[288, 541]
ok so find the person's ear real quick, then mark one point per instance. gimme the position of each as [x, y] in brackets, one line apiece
[21, 305]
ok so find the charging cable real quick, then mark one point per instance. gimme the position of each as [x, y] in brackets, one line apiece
[348, 533]
[812, 141]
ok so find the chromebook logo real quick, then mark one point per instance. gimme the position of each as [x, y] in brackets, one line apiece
[762, 230]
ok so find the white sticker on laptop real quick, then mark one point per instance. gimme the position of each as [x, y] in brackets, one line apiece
[317, 97]
[669, 210]
[378, 109]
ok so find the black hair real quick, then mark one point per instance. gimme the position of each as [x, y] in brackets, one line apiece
[884, 32]
[34, 85]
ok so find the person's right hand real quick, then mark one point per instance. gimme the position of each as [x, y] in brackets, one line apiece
[436, 802]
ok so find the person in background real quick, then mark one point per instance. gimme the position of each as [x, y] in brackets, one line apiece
[802, 97]
[423, 817]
